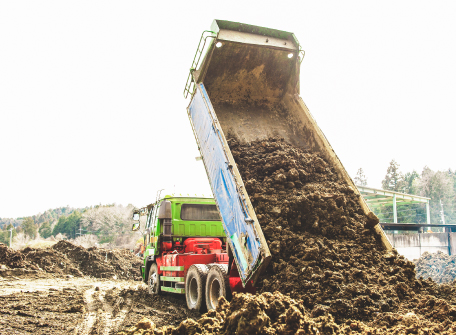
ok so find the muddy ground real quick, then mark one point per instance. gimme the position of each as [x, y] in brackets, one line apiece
[329, 273]
[67, 289]
[82, 306]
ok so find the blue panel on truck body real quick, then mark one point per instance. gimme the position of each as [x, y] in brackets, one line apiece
[233, 209]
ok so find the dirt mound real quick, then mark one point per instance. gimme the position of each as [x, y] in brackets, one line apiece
[438, 266]
[102, 263]
[65, 258]
[37, 261]
[249, 314]
[323, 249]
[275, 313]
[10, 258]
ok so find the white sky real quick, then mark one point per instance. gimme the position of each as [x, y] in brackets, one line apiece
[91, 105]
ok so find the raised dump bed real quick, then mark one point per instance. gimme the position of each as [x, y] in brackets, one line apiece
[247, 87]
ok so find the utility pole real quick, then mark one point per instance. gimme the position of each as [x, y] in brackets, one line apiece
[81, 230]
[11, 236]
[442, 215]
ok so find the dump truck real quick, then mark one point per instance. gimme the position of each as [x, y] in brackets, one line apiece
[187, 252]
[243, 82]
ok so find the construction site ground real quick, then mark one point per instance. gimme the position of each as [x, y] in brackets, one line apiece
[31, 305]
[68, 289]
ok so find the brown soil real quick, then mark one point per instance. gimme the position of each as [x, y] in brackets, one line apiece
[82, 306]
[328, 274]
[65, 258]
[438, 266]
[62, 290]
[275, 313]
[102, 263]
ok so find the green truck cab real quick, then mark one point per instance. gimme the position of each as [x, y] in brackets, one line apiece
[184, 241]
[189, 217]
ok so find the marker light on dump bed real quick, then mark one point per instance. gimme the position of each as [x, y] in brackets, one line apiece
[290, 55]
[219, 44]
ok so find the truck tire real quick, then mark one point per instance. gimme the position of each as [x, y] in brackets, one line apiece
[217, 285]
[195, 283]
[154, 280]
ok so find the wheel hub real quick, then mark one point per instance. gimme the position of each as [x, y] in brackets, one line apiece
[214, 293]
[153, 280]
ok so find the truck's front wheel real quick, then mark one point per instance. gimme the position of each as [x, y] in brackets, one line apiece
[154, 280]
[217, 285]
[195, 283]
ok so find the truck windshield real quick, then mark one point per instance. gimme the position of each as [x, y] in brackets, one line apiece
[199, 212]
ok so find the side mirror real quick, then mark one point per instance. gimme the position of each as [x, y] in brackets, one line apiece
[136, 216]
[135, 226]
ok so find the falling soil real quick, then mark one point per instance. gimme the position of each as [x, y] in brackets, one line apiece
[65, 258]
[329, 272]
[438, 266]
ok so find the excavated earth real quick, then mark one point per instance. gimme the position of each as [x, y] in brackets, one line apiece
[65, 258]
[438, 266]
[67, 289]
[82, 305]
[329, 272]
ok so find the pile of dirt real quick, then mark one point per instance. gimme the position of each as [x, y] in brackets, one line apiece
[438, 266]
[36, 261]
[102, 263]
[65, 258]
[324, 249]
[248, 314]
[275, 313]
[327, 259]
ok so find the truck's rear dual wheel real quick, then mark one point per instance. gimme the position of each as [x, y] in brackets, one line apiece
[195, 284]
[217, 285]
[154, 280]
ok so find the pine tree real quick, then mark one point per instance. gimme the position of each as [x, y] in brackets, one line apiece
[29, 227]
[45, 230]
[394, 179]
[360, 178]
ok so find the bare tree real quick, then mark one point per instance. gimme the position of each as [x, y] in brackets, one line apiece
[86, 241]
[20, 241]
[439, 186]
[112, 224]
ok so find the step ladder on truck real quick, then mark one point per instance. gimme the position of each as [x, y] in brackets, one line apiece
[244, 81]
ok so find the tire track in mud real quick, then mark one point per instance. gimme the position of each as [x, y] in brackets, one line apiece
[82, 306]
[90, 316]
[104, 316]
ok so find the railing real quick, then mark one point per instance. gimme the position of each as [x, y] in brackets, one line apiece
[190, 85]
